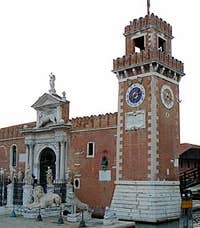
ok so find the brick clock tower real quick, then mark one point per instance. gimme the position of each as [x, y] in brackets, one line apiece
[147, 187]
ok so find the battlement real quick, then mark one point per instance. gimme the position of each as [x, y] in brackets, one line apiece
[100, 121]
[14, 131]
[148, 56]
[147, 22]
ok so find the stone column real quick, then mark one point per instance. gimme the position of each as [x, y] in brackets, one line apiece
[10, 193]
[31, 157]
[62, 162]
[58, 163]
[27, 194]
[27, 156]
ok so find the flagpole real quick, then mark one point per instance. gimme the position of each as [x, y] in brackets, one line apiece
[148, 7]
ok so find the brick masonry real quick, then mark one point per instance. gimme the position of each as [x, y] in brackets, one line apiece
[140, 160]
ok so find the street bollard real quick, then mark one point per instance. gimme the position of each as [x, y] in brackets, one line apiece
[39, 217]
[186, 210]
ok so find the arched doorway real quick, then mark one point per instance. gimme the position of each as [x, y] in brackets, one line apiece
[47, 158]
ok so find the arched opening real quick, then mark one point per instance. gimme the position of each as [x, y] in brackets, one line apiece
[47, 158]
[13, 156]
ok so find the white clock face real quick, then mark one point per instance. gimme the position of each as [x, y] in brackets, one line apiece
[135, 95]
[167, 96]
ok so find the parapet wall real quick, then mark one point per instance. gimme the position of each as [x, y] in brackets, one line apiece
[146, 57]
[144, 22]
[80, 123]
[14, 131]
[100, 121]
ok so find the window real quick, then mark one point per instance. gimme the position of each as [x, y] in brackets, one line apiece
[90, 149]
[76, 183]
[161, 44]
[104, 163]
[139, 44]
[13, 156]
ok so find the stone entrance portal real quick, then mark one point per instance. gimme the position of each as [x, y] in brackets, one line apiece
[47, 141]
[47, 158]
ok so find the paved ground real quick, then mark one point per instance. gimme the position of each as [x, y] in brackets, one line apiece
[20, 222]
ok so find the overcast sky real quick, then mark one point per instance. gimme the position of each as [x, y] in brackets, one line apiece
[77, 40]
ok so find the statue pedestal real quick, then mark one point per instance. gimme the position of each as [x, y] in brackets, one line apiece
[110, 221]
[110, 217]
[10, 193]
[76, 217]
[50, 188]
[27, 194]
[70, 195]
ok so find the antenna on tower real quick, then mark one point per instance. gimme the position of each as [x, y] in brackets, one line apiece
[148, 7]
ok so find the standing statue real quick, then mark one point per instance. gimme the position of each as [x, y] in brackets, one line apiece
[49, 176]
[12, 174]
[1, 174]
[52, 83]
[20, 176]
[28, 178]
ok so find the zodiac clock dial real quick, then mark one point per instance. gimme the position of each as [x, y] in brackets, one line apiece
[135, 95]
[167, 96]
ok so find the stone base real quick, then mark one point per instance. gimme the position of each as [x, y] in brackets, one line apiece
[4, 211]
[108, 222]
[147, 201]
[74, 217]
[47, 212]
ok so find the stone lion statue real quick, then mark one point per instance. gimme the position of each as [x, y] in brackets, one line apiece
[42, 200]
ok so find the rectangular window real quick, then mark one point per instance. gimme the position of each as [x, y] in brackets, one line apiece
[139, 44]
[161, 44]
[90, 149]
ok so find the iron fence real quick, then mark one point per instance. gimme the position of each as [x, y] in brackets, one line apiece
[61, 190]
[18, 194]
[3, 193]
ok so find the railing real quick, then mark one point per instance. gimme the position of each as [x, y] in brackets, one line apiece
[189, 178]
[61, 190]
[18, 194]
[3, 193]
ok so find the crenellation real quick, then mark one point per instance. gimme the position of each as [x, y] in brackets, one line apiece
[100, 121]
[144, 22]
[133, 60]
[14, 131]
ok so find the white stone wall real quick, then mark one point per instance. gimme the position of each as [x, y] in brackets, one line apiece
[148, 201]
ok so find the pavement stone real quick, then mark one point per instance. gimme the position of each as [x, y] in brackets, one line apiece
[51, 222]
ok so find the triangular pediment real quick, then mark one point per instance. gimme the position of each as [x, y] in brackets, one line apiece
[47, 100]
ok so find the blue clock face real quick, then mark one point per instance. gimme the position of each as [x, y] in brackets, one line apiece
[135, 95]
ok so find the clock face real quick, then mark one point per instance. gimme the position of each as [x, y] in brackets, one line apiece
[167, 96]
[135, 95]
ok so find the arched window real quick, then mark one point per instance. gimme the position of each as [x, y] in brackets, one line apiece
[13, 156]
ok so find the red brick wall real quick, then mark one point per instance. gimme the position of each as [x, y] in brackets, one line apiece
[12, 136]
[169, 138]
[135, 146]
[92, 191]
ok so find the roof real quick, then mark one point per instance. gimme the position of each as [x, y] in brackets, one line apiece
[187, 146]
